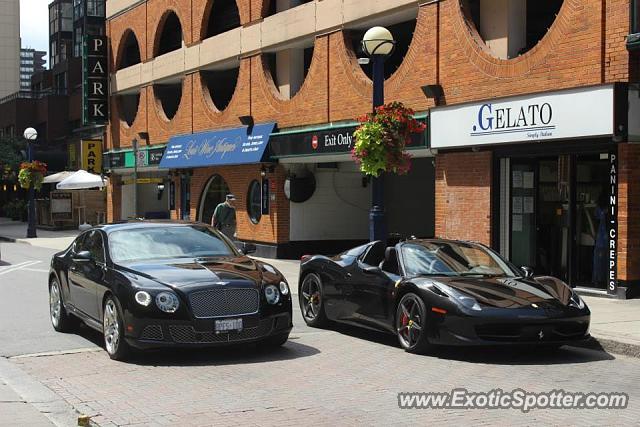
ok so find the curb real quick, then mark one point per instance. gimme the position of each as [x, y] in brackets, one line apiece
[611, 346]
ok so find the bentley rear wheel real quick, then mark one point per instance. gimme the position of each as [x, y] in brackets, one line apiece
[411, 324]
[311, 301]
[60, 319]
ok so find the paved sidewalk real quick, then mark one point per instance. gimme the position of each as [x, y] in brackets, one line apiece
[614, 323]
[16, 231]
[15, 411]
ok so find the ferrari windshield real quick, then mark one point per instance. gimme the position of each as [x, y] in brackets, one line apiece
[452, 259]
[147, 243]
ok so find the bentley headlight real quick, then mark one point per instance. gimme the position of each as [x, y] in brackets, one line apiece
[576, 301]
[167, 302]
[284, 288]
[272, 294]
[143, 298]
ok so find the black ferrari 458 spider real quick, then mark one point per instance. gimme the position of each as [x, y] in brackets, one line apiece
[148, 284]
[440, 292]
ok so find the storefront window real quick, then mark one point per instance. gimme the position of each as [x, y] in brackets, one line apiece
[254, 199]
[635, 16]
[555, 210]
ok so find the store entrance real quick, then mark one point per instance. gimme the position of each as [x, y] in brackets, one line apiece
[557, 216]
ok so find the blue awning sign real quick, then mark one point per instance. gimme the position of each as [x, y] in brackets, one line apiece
[224, 147]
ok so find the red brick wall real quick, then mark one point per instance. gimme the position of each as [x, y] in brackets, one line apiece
[271, 228]
[585, 46]
[628, 212]
[463, 196]
[581, 49]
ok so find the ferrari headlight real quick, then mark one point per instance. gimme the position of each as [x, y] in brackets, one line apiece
[461, 298]
[167, 302]
[143, 298]
[284, 288]
[576, 301]
[272, 294]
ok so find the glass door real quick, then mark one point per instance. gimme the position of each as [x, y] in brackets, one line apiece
[522, 207]
[591, 218]
[554, 213]
[553, 224]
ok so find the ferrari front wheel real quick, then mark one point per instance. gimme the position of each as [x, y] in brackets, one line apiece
[411, 324]
[311, 301]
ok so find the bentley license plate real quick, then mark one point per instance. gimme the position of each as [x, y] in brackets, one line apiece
[225, 325]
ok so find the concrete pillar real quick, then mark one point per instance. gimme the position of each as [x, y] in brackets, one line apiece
[289, 62]
[503, 26]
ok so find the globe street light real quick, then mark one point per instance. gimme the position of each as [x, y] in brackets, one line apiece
[30, 134]
[378, 44]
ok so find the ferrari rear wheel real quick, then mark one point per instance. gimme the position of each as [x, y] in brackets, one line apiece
[311, 301]
[411, 324]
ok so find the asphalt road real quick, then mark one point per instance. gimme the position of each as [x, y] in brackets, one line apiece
[336, 376]
[24, 305]
[25, 327]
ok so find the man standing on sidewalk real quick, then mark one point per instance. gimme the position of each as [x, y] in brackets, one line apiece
[224, 217]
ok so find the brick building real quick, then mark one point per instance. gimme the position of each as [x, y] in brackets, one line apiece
[198, 67]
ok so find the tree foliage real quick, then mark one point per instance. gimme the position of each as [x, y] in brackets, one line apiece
[11, 153]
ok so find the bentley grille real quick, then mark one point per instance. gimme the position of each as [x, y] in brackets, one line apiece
[186, 334]
[224, 302]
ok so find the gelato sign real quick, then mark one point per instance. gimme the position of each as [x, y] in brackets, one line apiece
[574, 113]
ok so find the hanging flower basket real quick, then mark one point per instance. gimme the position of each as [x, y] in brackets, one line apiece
[382, 137]
[32, 173]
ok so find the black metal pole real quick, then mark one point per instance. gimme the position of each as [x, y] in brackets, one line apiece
[377, 222]
[31, 228]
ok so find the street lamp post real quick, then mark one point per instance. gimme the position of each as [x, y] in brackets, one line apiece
[30, 134]
[378, 44]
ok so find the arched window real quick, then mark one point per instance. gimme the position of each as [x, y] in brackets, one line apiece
[220, 85]
[514, 30]
[289, 68]
[214, 193]
[130, 51]
[170, 31]
[223, 16]
[168, 96]
[128, 107]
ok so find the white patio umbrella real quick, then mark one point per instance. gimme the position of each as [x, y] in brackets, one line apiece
[82, 180]
[57, 177]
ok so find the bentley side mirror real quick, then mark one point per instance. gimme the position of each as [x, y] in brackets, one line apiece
[372, 270]
[83, 256]
[528, 272]
[248, 248]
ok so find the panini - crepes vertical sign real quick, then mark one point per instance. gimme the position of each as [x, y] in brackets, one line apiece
[95, 80]
[92, 156]
[612, 227]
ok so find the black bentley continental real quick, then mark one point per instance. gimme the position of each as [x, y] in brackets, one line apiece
[148, 284]
[433, 291]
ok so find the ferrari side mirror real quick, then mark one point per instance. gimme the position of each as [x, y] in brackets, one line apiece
[372, 270]
[528, 272]
[248, 248]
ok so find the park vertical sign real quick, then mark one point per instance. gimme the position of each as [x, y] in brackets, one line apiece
[95, 80]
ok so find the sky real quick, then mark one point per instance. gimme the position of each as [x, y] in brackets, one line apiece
[34, 23]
